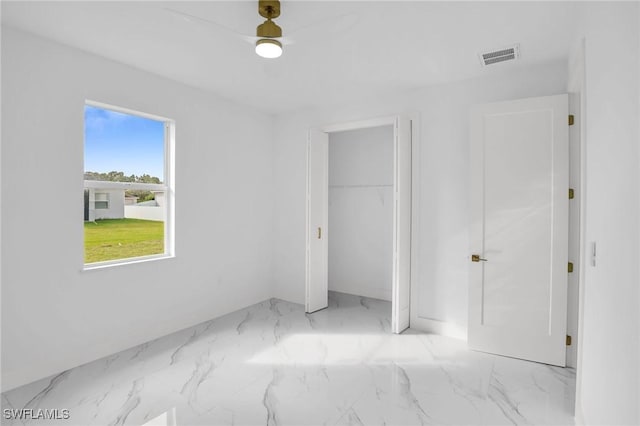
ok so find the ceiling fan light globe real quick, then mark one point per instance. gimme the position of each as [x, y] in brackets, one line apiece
[268, 48]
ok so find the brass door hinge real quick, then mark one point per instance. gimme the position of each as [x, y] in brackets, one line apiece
[568, 340]
[571, 194]
[570, 267]
[571, 120]
[319, 233]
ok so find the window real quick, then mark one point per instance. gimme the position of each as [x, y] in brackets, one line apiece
[101, 200]
[128, 188]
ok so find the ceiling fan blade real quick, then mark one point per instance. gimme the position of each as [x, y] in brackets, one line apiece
[211, 25]
[286, 41]
[215, 26]
[332, 25]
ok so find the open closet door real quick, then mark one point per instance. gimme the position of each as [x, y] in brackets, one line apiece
[402, 226]
[317, 281]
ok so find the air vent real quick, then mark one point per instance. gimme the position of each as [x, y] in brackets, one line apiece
[500, 55]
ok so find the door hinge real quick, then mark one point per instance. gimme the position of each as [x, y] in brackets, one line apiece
[571, 119]
[568, 340]
[570, 267]
[571, 193]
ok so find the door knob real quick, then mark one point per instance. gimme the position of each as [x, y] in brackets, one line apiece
[477, 258]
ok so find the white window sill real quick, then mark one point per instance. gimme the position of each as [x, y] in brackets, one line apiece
[128, 261]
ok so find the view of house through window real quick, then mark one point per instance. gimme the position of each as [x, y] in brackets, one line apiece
[125, 185]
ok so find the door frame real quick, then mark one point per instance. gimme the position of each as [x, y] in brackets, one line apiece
[408, 218]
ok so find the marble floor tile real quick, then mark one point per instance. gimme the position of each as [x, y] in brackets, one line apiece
[272, 364]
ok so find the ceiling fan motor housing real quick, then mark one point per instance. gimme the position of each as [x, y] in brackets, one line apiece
[269, 29]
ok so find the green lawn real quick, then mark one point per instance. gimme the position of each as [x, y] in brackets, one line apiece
[110, 239]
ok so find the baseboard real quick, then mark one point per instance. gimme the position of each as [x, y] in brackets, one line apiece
[373, 293]
[439, 327]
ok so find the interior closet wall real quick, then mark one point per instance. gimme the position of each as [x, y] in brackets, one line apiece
[360, 211]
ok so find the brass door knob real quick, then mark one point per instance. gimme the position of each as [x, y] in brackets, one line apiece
[477, 258]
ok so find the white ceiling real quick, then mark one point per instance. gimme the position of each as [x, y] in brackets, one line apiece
[343, 51]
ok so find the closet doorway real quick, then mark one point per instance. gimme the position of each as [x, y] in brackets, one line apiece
[348, 201]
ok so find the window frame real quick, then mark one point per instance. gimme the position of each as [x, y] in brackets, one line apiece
[167, 187]
[95, 201]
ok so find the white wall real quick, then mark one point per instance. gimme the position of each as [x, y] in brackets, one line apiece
[608, 374]
[360, 212]
[116, 204]
[145, 212]
[54, 315]
[160, 198]
[442, 246]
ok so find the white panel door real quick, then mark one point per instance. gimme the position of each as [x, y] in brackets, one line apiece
[317, 282]
[519, 229]
[402, 226]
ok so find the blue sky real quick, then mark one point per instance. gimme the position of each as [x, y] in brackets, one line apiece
[122, 142]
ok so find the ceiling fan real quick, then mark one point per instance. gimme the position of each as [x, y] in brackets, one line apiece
[268, 46]
[268, 40]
